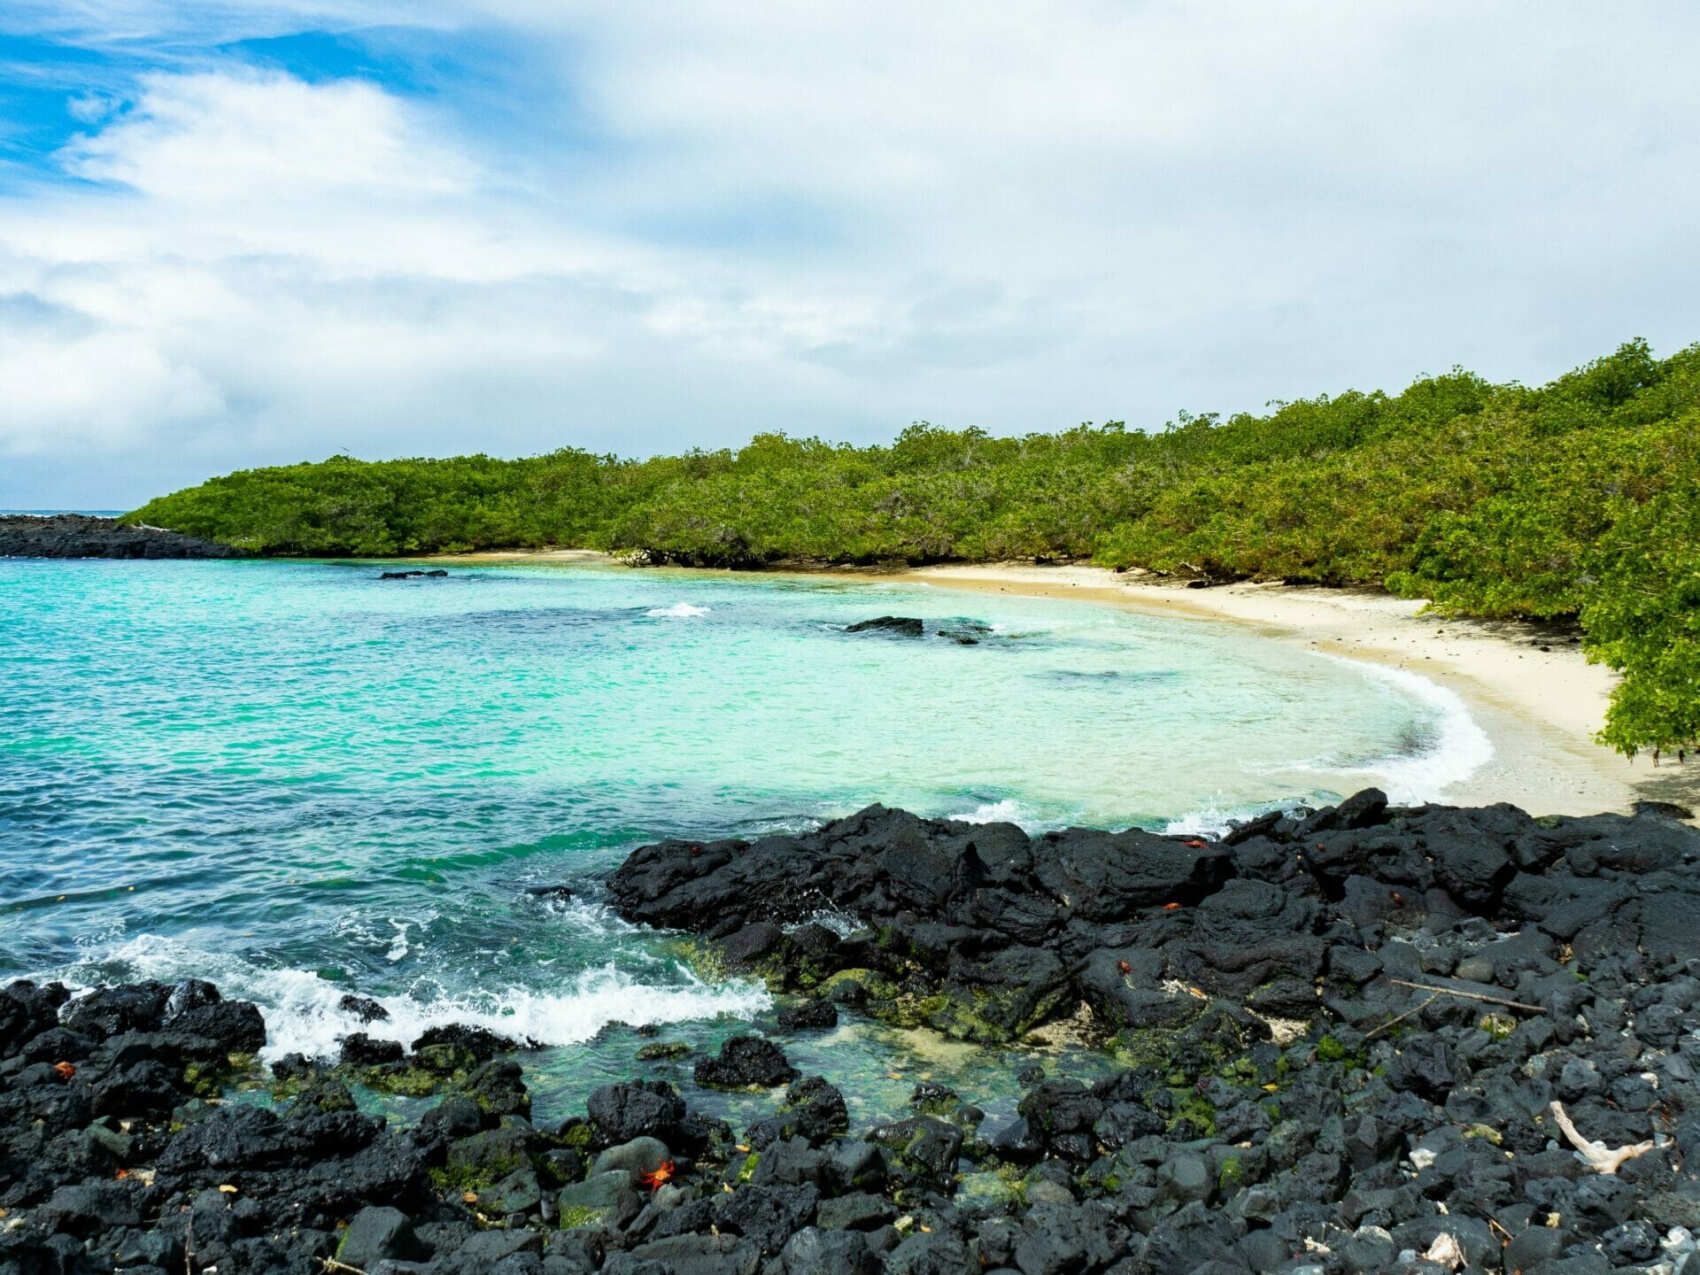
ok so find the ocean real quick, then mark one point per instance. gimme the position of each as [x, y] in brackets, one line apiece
[300, 780]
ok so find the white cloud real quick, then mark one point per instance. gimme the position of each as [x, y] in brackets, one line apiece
[221, 139]
[837, 217]
[109, 389]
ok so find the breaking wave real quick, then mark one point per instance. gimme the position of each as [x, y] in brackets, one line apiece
[302, 1012]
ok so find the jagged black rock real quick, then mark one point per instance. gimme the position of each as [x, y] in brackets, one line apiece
[1341, 1036]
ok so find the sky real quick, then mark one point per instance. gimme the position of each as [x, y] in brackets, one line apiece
[235, 234]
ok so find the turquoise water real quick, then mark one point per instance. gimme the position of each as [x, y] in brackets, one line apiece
[298, 780]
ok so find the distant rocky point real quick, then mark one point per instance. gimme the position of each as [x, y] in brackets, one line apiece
[80, 536]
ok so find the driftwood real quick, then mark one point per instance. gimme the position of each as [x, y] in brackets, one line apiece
[1599, 1157]
[1469, 996]
[1415, 1009]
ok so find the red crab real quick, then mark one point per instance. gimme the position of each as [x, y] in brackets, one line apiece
[662, 1175]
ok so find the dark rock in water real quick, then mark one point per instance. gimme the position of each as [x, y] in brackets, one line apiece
[813, 1111]
[363, 1008]
[360, 1050]
[746, 1062]
[561, 893]
[482, 1043]
[434, 574]
[809, 1016]
[965, 632]
[80, 536]
[896, 625]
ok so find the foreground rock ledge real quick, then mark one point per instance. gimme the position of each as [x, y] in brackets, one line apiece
[1467, 970]
[985, 933]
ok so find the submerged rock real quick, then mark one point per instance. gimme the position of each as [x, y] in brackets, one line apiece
[896, 625]
[746, 1062]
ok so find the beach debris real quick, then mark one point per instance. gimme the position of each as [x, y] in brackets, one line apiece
[1467, 995]
[1596, 1155]
[1445, 1251]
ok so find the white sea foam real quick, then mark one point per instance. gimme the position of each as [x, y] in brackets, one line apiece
[302, 1014]
[840, 923]
[1459, 749]
[592, 918]
[1008, 810]
[678, 611]
[1209, 821]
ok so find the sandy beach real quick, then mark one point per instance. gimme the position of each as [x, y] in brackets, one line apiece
[1533, 692]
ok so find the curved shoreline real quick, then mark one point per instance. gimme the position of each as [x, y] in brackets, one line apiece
[1531, 690]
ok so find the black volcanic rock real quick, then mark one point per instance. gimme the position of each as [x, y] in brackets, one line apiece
[746, 1062]
[985, 933]
[895, 625]
[81, 536]
[1333, 1044]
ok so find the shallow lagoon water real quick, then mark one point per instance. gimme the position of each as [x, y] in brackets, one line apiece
[299, 780]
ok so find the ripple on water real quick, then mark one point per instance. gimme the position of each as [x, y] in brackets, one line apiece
[300, 781]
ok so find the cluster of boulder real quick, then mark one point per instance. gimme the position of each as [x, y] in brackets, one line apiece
[84, 536]
[1355, 1040]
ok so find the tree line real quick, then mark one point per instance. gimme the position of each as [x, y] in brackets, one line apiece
[1579, 499]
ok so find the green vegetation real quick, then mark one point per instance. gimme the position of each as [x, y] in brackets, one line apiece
[1575, 500]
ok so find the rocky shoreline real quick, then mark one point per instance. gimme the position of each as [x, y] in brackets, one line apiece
[1357, 1039]
[83, 536]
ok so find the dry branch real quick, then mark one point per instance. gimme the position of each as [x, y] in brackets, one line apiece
[1599, 1156]
[1469, 996]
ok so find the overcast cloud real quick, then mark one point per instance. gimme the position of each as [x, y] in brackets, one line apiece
[239, 234]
